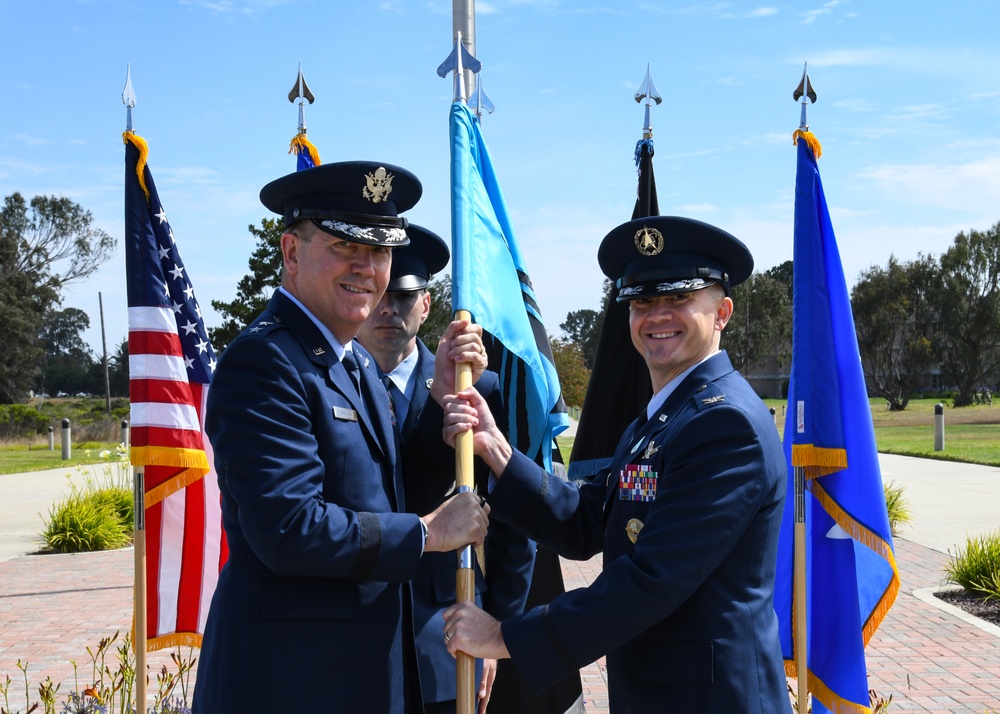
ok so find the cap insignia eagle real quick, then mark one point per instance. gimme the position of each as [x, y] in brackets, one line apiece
[379, 185]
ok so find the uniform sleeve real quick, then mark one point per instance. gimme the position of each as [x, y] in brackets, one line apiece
[710, 488]
[306, 491]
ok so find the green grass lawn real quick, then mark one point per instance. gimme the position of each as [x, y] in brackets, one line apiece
[21, 458]
[971, 434]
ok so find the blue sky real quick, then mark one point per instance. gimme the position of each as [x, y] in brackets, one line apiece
[908, 115]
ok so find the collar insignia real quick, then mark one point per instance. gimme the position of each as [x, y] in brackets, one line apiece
[429, 382]
[319, 351]
[650, 450]
[379, 185]
[648, 241]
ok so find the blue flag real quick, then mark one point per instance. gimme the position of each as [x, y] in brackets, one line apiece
[307, 154]
[852, 579]
[490, 281]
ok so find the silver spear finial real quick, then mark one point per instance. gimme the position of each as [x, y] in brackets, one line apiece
[647, 91]
[128, 98]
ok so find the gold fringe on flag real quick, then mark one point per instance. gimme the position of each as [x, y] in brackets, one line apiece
[810, 139]
[818, 461]
[871, 540]
[173, 485]
[139, 143]
[301, 144]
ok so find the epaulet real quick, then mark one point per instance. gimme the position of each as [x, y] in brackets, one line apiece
[264, 324]
[708, 395]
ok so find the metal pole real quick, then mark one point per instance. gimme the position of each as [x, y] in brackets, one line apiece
[463, 19]
[939, 427]
[139, 574]
[124, 441]
[67, 447]
[52, 439]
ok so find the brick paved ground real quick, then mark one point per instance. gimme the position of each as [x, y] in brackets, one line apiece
[53, 607]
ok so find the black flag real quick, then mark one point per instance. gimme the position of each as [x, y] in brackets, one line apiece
[619, 383]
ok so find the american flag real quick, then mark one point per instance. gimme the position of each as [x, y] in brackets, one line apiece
[170, 367]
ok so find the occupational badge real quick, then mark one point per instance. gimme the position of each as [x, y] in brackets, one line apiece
[637, 482]
[379, 185]
[648, 241]
[650, 450]
[632, 529]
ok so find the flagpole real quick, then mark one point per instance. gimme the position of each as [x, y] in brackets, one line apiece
[804, 92]
[464, 25]
[138, 509]
[801, 623]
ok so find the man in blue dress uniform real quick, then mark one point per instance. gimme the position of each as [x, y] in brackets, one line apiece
[390, 335]
[687, 516]
[313, 609]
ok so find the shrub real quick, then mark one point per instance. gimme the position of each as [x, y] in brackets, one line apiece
[977, 567]
[100, 516]
[896, 506]
[85, 522]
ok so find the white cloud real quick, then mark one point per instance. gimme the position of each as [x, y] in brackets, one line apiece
[970, 188]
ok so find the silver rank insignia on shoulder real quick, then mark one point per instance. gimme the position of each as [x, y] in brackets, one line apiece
[366, 362]
[632, 529]
[714, 400]
[650, 450]
[379, 185]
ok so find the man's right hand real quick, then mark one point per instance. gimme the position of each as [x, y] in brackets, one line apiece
[459, 521]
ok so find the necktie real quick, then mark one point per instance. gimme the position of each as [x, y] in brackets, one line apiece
[350, 363]
[388, 392]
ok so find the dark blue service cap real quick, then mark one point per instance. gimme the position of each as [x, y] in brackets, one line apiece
[666, 255]
[415, 264]
[359, 201]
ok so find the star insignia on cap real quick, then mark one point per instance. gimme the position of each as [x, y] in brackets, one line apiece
[648, 241]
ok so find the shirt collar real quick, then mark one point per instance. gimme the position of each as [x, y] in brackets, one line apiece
[335, 345]
[660, 398]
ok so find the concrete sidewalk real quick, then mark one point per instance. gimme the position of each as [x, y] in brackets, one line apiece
[928, 656]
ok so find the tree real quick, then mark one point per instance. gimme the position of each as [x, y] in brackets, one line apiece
[783, 274]
[583, 327]
[760, 328]
[118, 370]
[435, 325]
[44, 246]
[574, 375]
[68, 360]
[893, 319]
[254, 290]
[967, 298]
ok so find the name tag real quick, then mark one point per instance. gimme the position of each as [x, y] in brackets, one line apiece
[636, 482]
[345, 414]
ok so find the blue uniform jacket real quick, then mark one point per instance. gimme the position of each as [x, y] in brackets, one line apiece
[687, 518]
[309, 611]
[509, 554]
